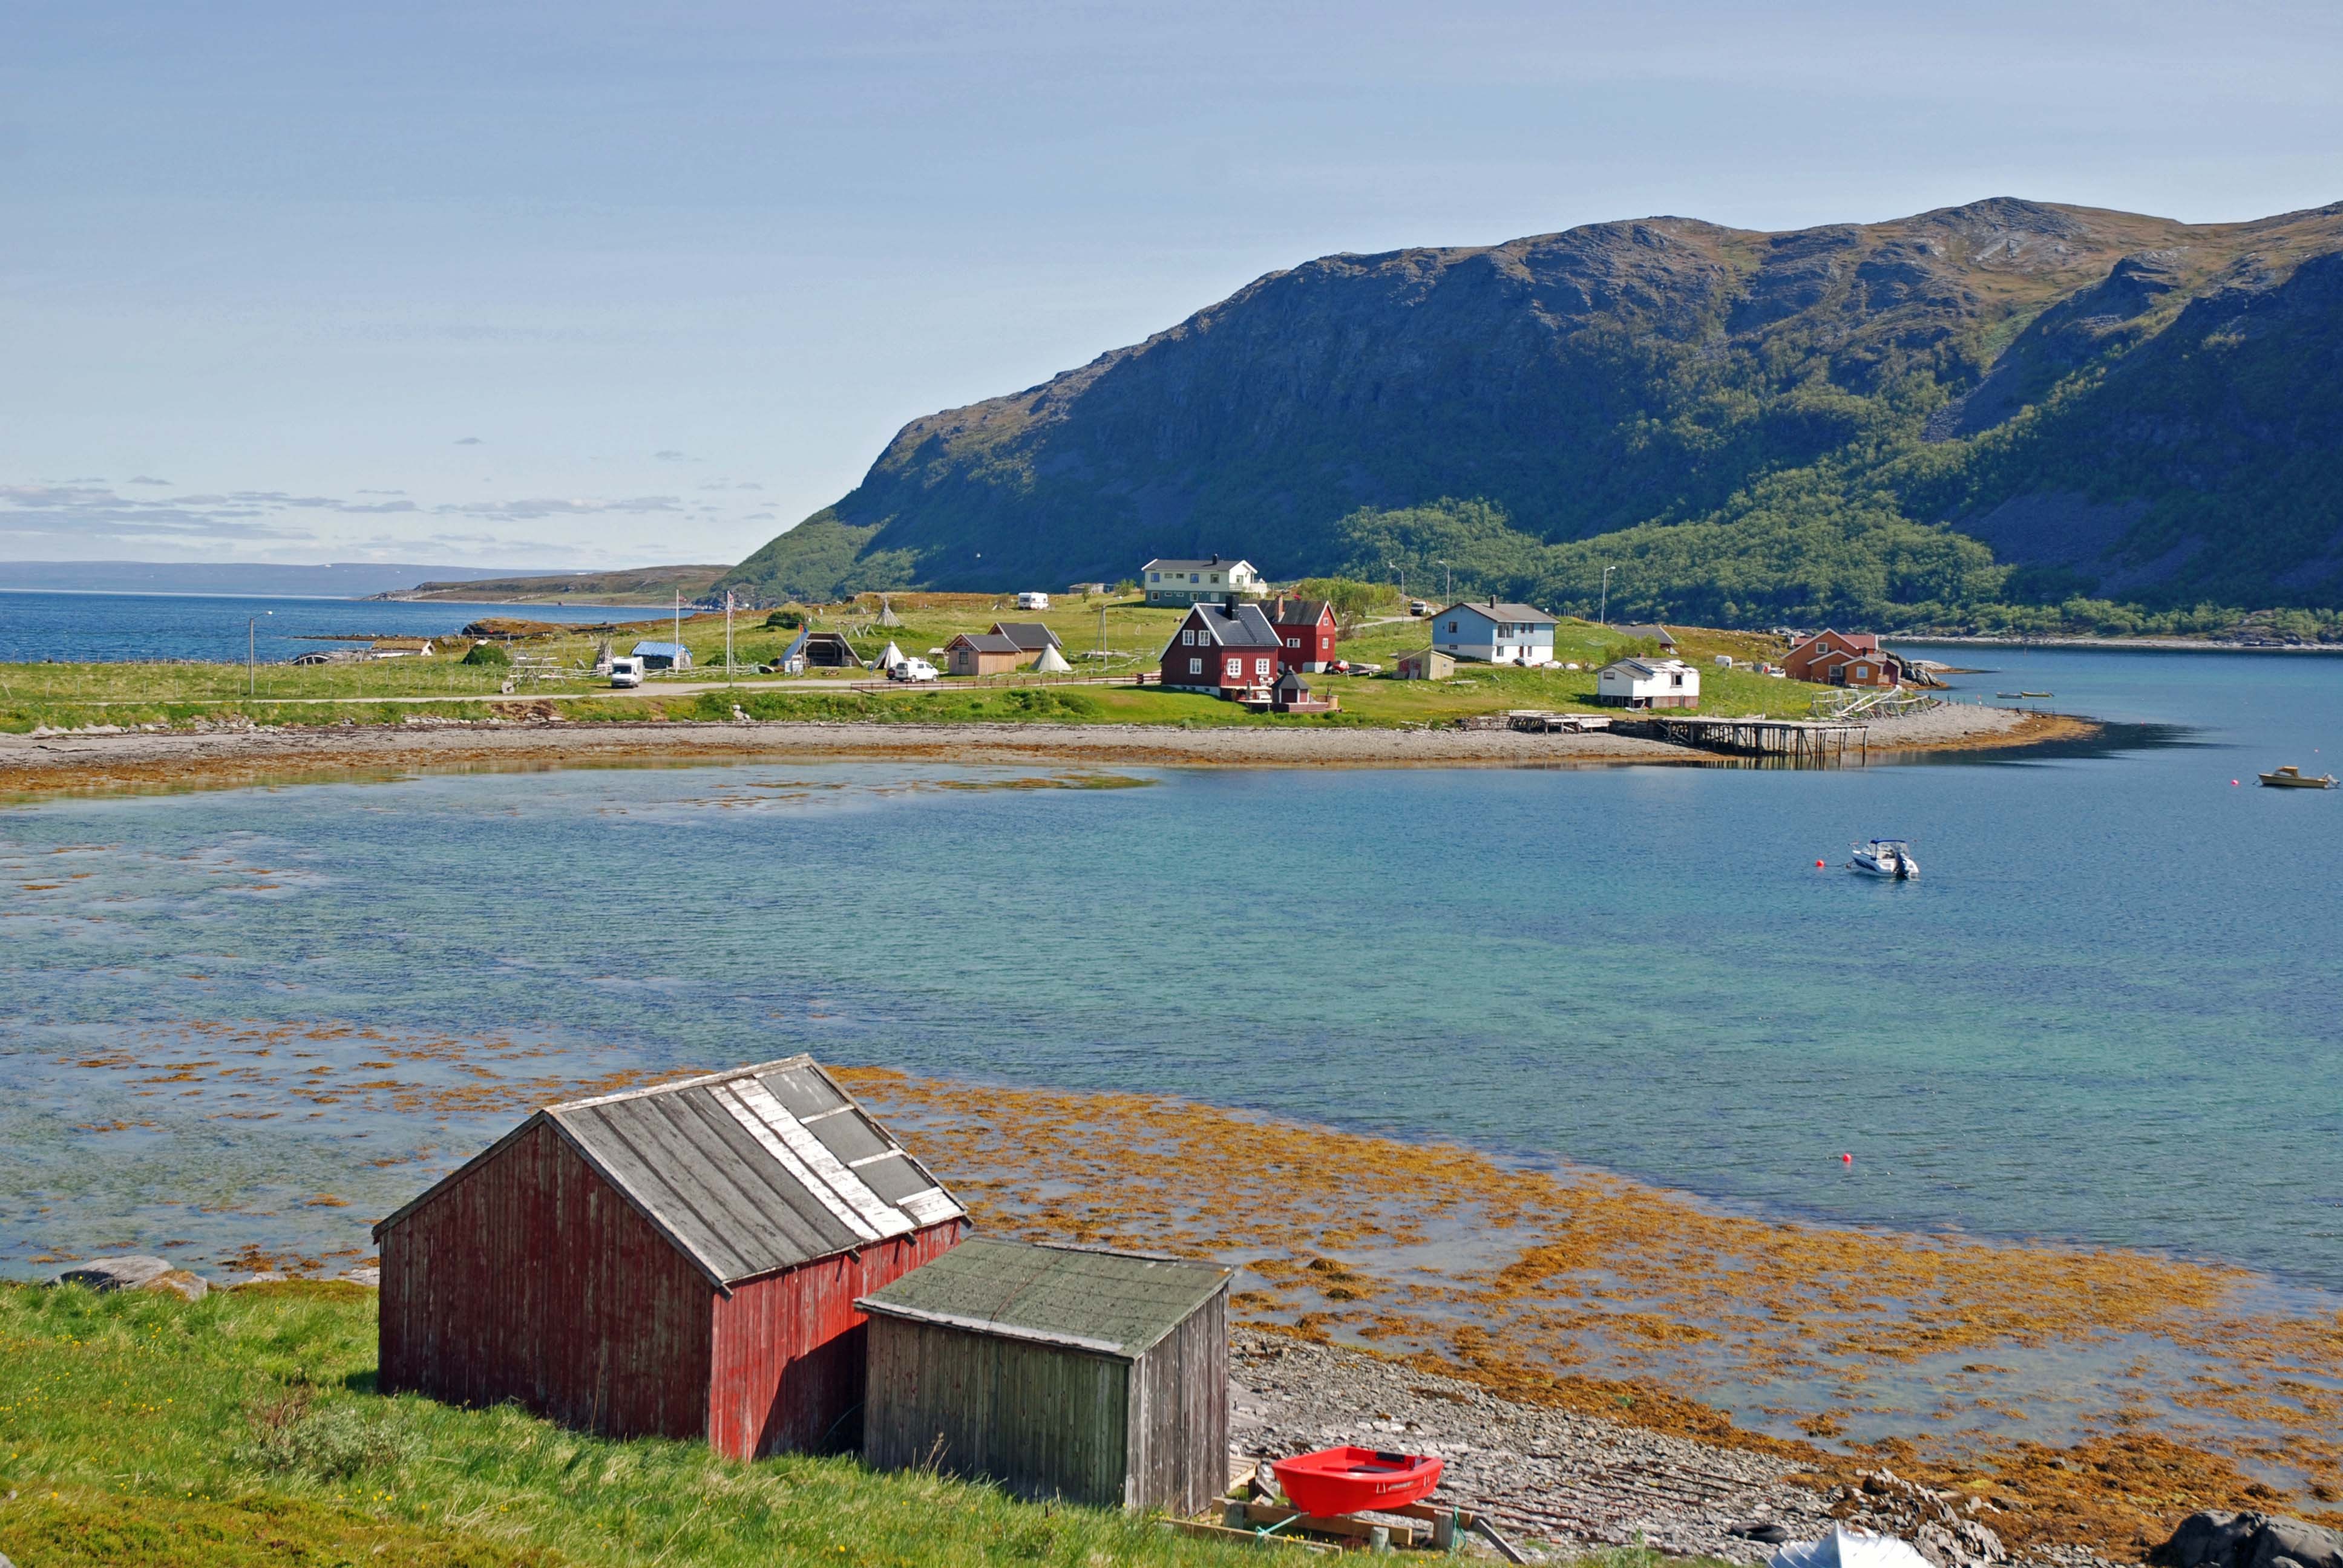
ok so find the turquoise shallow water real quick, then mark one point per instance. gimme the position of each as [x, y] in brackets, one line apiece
[2107, 1012]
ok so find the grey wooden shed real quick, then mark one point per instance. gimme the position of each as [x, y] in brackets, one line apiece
[1094, 1377]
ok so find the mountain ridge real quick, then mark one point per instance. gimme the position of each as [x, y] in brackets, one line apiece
[2043, 400]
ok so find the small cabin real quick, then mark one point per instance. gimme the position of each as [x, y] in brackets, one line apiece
[1307, 629]
[1291, 694]
[1426, 664]
[662, 655]
[1029, 636]
[982, 653]
[1648, 683]
[1063, 1373]
[679, 1261]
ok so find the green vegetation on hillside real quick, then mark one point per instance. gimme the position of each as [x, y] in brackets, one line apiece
[1977, 417]
[244, 1430]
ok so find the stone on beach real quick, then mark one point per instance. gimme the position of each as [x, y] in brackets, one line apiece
[2213, 1539]
[135, 1273]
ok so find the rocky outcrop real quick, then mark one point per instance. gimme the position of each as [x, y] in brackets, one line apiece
[2216, 1540]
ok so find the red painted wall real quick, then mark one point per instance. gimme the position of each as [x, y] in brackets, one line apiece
[532, 1280]
[788, 1364]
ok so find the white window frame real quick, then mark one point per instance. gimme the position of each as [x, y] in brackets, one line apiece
[1195, 667]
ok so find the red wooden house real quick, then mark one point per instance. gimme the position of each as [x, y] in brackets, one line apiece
[1307, 629]
[679, 1261]
[1227, 649]
[1844, 658]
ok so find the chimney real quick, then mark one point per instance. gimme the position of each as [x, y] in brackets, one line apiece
[1215, 560]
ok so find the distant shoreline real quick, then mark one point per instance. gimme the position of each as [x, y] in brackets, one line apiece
[2127, 644]
[139, 761]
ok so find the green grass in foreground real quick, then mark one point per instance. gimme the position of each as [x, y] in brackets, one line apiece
[243, 1430]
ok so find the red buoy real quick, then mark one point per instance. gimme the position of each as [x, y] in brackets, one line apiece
[1819, 865]
[1846, 1159]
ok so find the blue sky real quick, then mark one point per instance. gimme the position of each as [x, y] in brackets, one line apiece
[584, 285]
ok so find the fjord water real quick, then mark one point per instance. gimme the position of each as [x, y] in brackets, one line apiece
[2107, 1013]
[113, 628]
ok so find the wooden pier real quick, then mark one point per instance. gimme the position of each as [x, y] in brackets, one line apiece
[1791, 740]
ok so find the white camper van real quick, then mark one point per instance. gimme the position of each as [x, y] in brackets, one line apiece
[627, 671]
[1032, 599]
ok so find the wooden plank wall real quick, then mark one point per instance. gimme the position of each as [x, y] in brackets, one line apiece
[788, 1371]
[530, 1280]
[1179, 1428]
[1041, 1421]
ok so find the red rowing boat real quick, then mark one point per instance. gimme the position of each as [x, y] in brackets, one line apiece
[1336, 1481]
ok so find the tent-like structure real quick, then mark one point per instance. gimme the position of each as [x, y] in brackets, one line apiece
[887, 617]
[890, 657]
[1051, 662]
[1849, 1549]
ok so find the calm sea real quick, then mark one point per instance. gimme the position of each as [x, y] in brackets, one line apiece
[2106, 1012]
[105, 627]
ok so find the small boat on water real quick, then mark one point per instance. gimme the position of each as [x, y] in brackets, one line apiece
[1337, 1481]
[2038, 694]
[1884, 858]
[2293, 777]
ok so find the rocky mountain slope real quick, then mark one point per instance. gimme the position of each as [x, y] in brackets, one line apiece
[2006, 401]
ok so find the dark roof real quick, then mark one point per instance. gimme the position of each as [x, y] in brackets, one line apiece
[1116, 1303]
[1652, 630]
[1291, 681]
[1168, 564]
[985, 642]
[1299, 611]
[1237, 626]
[1030, 636]
[1510, 612]
[747, 1172]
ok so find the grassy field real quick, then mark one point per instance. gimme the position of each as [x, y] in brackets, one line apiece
[70, 696]
[244, 1430]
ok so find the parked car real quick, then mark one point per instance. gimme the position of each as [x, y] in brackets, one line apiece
[628, 671]
[912, 670]
[1417, 607]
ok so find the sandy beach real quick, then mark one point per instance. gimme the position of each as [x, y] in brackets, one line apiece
[533, 736]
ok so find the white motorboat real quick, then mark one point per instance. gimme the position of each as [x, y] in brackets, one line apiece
[1884, 858]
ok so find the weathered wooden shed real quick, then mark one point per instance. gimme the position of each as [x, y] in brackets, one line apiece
[679, 1261]
[1096, 1377]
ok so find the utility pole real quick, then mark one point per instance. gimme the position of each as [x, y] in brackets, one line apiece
[1603, 615]
[1102, 650]
[251, 644]
[1448, 587]
[727, 634]
[674, 662]
[1402, 576]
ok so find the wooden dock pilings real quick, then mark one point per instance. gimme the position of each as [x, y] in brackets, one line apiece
[1790, 739]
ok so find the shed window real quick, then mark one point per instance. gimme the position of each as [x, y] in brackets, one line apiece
[1452, 628]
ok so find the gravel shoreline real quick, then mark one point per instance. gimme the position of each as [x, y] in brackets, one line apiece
[1561, 1485]
[229, 756]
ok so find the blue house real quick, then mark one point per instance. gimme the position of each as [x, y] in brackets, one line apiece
[663, 655]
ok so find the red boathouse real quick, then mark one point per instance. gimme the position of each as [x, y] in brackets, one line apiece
[679, 1261]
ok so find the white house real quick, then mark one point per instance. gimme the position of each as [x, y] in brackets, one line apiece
[1649, 683]
[1494, 633]
[1211, 581]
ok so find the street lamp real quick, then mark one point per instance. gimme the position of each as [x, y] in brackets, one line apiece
[251, 643]
[1448, 583]
[1603, 615]
[1402, 576]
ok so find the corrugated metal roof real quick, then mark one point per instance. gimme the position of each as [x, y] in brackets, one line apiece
[749, 1171]
[1523, 614]
[1030, 636]
[1115, 1303]
[661, 649]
